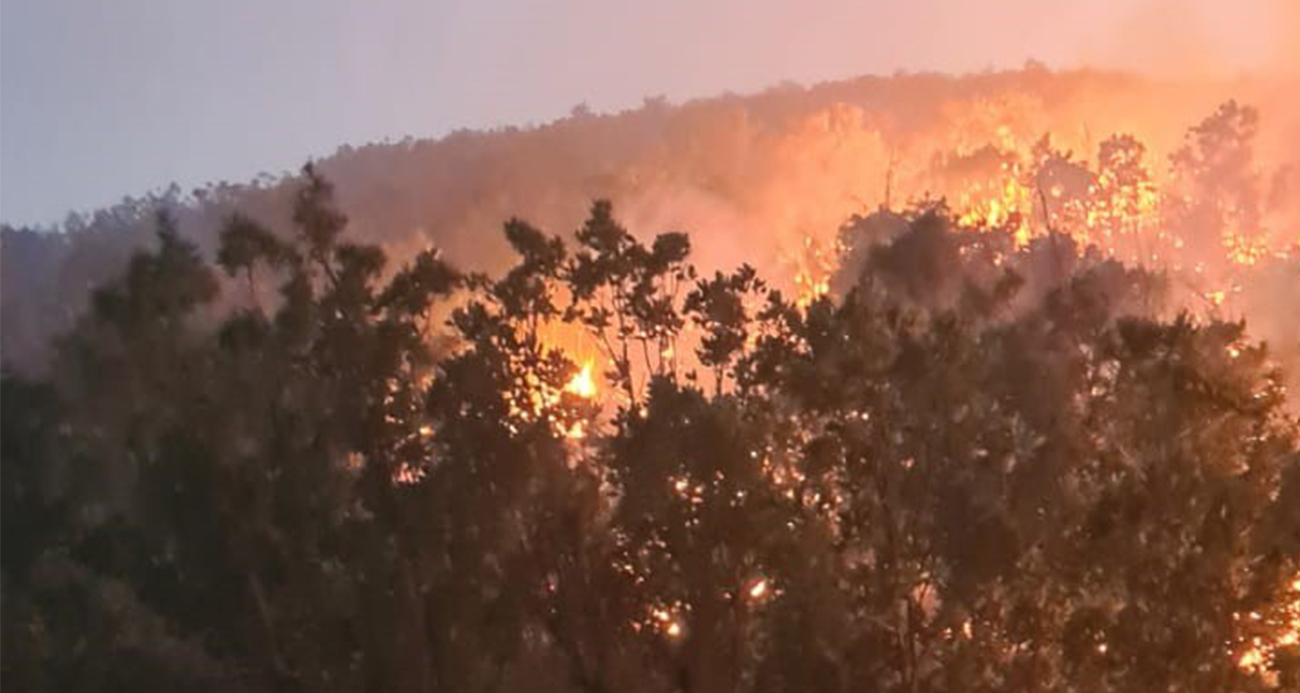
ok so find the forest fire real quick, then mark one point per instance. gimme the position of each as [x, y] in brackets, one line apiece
[1203, 219]
[917, 383]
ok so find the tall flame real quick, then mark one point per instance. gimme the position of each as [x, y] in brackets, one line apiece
[584, 383]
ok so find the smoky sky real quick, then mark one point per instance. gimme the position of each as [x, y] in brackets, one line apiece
[102, 99]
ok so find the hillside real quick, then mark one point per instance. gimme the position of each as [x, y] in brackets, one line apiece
[774, 174]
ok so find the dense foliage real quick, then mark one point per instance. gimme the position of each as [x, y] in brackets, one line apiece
[977, 468]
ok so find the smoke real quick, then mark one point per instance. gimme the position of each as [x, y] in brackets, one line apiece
[1189, 39]
[1164, 38]
[1286, 48]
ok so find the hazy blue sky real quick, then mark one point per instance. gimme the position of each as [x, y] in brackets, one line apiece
[101, 98]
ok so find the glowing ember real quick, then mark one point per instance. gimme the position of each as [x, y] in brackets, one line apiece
[1253, 658]
[668, 623]
[1260, 655]
[577, 431]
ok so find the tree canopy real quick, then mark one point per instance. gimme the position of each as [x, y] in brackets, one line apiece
[956, 471]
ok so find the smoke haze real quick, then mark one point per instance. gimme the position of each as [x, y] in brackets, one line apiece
[107, 99]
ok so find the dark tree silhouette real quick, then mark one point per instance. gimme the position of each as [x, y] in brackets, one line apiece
[977, 467]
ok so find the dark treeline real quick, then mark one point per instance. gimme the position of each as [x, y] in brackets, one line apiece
[978, 468]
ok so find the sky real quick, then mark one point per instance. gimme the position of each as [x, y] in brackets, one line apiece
[104, 98]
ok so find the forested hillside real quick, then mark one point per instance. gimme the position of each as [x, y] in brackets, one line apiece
[765, 179]
[909, 384]
[983, 466]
